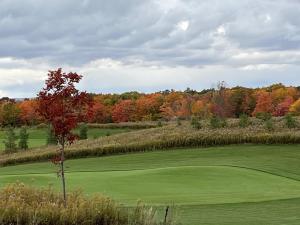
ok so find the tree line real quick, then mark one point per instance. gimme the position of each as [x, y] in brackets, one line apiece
[275, 100]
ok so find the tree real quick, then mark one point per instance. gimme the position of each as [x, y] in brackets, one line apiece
[10, 114]
[51, 138]
[28, 112]
[83, 129]
[283, 107]
[263, 103]
[63, 106]
[290, 121]
[244, 121]
[23, 138]
[295, 108]
[124, 111]
[10, 142]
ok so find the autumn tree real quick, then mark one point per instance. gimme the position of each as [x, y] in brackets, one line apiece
[63, 106]
[295, 108]
[100, 113]
[29, 112]
[263, 103]
[124, 111]
[10, 114]
[283, 107]
[201, 109]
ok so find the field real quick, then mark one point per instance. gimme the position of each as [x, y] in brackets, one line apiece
[37, 136]
[230, 185]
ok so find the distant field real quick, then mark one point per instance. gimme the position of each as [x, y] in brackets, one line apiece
[232, 185]
[37, 137]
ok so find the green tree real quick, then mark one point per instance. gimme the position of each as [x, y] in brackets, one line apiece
[290, 121]
[10, 114]
[23, 138]
[217, 122]
[269, 124]
[244, 121]
[195, 123]
[83, 131]
[10, 142]
[51, 138]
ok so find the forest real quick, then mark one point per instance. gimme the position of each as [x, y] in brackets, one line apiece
[276, 100]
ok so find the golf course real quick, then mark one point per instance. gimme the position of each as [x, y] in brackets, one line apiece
[226, 185]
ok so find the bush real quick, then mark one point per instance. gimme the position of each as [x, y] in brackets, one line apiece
[195, 123]
[51, 138]
[265, 116]
[159, 123]
[290, 121]
[178, 120]
[10, 142]
[25, 205]
[83, 132]
[23, 138]
[244, 121]
[217, 122]
[269, 124]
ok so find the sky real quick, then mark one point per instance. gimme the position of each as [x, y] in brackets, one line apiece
[149, 45]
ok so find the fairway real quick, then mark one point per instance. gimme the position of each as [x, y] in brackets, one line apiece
[246, 184]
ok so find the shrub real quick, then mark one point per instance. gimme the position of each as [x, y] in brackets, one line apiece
[217, 122]
[51, 138]
[23, 138]
[264, 116]
[178, 120]
[10, 142]
[269, 124]
[290, 121]
[244, 121]
[159, 123]
[83, 130]
[195, 123]
[20, 204]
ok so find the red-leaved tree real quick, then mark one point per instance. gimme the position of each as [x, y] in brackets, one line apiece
[63, 106]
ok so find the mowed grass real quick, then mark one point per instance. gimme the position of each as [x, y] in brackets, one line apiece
[232, 185]
[37, 137]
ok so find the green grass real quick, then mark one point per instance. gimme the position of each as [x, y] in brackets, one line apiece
[231, 185]
[37, 137]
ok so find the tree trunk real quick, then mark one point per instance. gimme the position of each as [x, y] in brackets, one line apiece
[63, 173]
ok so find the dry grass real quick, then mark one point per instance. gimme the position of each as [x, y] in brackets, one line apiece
[168, 136]
[25, 205]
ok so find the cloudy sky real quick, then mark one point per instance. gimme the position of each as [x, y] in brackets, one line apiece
[149, 45]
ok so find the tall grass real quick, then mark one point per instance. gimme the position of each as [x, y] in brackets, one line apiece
[25, 205]
[169, 136]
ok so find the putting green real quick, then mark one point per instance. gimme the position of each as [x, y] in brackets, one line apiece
[186, 185]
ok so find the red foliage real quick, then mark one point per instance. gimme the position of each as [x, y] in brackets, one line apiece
[61, 104]
[29, 112]
[124, 111]
[283, 107]
[99, 113]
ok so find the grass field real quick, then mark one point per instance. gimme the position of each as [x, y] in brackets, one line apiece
[232, 185]
[37, 137]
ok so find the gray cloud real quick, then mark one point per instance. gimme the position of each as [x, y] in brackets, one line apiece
[244, 36]
[76, 32]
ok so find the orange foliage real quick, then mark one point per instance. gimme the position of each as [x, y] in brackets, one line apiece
[263, 103]
[29, 114]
